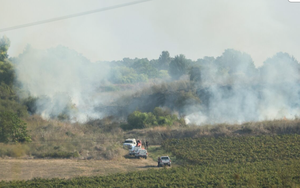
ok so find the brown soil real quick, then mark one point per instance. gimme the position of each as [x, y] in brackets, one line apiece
[24, 169]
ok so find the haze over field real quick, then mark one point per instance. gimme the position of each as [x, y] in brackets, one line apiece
[235, 69]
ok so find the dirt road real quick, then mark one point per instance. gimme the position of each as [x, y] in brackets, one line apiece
[24, 169]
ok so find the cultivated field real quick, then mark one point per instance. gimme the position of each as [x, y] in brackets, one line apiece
[243, 161]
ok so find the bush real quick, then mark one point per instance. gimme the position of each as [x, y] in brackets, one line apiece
[12, 129]
[139, 120]
[14, 150]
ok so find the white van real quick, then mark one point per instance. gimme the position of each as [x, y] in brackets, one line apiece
[142, 153]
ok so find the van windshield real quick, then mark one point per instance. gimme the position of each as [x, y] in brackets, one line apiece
[165, 158]
[128, 141]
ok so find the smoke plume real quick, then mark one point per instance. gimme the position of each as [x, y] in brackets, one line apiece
[235, 91]
[63, 82]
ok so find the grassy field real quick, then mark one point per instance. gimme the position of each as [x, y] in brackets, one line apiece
[248, 161]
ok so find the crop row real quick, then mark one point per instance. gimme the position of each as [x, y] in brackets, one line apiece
[226, 150]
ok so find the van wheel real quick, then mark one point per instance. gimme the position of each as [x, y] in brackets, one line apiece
[145, 157]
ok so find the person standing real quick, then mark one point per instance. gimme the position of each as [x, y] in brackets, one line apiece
[147, 144]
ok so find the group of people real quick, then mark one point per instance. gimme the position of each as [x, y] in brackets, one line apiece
[139, 144]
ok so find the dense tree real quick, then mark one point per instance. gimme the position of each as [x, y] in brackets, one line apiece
[143, 66]
[12, 129]
[164, 60]
[236, 62]
[178, 67]
[6, 68]
[126, 75]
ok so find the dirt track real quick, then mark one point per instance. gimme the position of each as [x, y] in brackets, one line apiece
[24, 169]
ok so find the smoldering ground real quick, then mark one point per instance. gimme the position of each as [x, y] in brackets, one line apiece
[231, 88]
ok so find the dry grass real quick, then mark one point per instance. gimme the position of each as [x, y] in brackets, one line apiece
[158, 134]
[21, 169]
[62, 140]
[103, 139]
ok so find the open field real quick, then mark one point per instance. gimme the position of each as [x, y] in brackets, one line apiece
[244, 161]
[25, 169]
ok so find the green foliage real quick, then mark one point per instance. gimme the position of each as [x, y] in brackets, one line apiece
[7, 73]
[143, 66]
[6, 92]
[125, 75]
[13, 107]
[4, 45]
[186, 98]
[237, 150]
[236, 62]
[6, 68]
[137, 119]
[163, 74]
[178, 67]
[159, 117]
[30, 103]
[14, 150]
[12, 129]
[8, 101]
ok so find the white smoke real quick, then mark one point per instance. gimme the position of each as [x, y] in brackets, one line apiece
[238, 92]
[61, 78]
[231, 90]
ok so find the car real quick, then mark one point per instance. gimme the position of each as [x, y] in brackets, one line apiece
[163, 160]
[142, 153]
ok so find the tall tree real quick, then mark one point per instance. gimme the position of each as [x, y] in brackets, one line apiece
[178, 67]
[164, 60]
[236, 62]
[6, 68]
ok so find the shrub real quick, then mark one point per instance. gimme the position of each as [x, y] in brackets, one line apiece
[14, 150]
[139, 120]
[12, 129]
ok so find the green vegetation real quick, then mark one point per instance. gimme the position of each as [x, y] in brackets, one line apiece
[159, 117]
[178, 67]
[12, 129]
[237, 150]
[157, 151]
